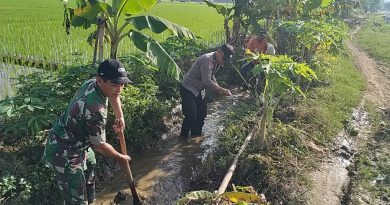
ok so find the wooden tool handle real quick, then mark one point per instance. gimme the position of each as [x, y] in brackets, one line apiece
[126, 166]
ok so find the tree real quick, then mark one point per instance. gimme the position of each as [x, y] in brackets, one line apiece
[84, 13]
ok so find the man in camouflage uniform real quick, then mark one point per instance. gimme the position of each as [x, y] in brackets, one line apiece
[199, 77]
[82, 125]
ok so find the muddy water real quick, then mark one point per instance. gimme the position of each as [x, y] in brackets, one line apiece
[331, 182]
[163, 175]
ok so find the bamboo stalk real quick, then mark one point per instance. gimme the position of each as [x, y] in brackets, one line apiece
[233, 166]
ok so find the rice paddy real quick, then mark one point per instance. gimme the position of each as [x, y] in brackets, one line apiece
[34, 29]
[31, 29]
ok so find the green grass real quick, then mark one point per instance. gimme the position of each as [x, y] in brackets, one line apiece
[326, 107]
[34, 29]
[374, 37]
[278, 171]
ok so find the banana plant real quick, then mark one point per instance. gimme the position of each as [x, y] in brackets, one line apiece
[84, 13]
[281, 77]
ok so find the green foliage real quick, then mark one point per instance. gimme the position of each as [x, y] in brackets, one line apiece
[233, 198]
[304, 38]
[142, 111]
[40, 98]
[204, 196]
[30, 113]
[184, 50]
[86, 13]
[281, 74]
[11, 187]
[373, 35]
[26, 37]
[325, 108]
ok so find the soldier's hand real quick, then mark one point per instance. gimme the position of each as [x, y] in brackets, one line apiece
[228, 93]
[119, 125]
[126, 157]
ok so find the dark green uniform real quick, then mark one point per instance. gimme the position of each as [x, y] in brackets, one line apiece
[80, 126]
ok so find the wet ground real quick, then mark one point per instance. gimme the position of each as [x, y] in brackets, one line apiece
[331, 181]
[163, 175]
[8, 73]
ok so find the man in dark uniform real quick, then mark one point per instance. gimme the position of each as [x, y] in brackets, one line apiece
[199, 77]
[82, 125]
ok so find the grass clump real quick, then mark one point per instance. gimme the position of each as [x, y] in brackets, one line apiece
[372, 37]
[280, 170]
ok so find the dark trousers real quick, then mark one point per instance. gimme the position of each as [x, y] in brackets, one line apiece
[194, 110]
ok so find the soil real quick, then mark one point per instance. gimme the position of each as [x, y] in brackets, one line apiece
[162, 175]
[331, 181]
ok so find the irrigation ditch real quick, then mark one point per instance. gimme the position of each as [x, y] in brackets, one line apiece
[163, 175]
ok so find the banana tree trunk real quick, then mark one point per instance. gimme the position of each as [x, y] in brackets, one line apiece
[268, 24]
[114, 48]
[236, 30]
[95, 50]
[227, 29]
[100, 37]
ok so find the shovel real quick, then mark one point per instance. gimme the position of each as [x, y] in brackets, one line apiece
[126, 166]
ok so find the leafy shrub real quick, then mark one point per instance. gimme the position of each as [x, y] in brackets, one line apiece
[184, 51]
[40, 99]
[11, 187]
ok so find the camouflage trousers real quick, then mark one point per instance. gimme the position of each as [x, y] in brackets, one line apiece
[75, 175]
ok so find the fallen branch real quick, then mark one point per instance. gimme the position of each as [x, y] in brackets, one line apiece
[233, 166]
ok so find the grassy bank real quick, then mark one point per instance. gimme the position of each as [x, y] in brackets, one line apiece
[326, 107]
[372, 180]
[371, 183]
[280, 170]
[374, 36]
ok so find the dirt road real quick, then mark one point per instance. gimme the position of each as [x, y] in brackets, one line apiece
[331, 181]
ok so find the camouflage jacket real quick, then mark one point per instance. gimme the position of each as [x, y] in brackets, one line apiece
[80, 125]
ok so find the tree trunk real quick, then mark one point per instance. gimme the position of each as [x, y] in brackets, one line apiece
[227, 29]
[100, 37]
[114, 48]
[95, 48]
[236, 29]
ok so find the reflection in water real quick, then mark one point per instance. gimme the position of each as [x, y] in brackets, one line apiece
[163, 175]
[8, 75]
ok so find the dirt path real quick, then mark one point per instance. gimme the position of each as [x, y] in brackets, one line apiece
[163, 175]
[376, 74]
[331, 183]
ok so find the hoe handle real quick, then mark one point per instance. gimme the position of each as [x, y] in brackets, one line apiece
[126, 166]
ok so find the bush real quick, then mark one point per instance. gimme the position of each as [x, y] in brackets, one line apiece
[40, 99]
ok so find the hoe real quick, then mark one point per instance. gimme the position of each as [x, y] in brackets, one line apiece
[126, 166]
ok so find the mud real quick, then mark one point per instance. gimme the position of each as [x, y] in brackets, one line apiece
[163, 175]
[331, 181]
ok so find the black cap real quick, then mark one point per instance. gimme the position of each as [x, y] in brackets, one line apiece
[113, 70]
[228, 51]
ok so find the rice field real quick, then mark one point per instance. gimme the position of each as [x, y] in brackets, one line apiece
[33, 29]
[8, 75]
